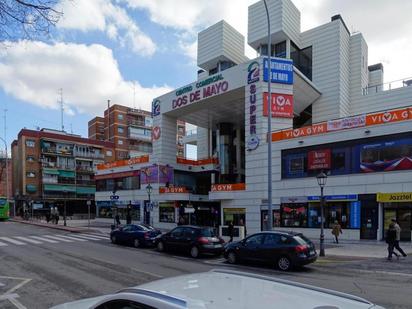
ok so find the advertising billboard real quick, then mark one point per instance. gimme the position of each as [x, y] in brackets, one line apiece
[156, 174]
[281, 105]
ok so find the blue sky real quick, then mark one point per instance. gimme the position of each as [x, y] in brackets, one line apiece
[101, 48]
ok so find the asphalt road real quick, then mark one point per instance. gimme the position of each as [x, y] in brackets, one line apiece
[38, 273]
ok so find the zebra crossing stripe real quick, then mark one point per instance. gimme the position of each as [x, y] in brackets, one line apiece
[71, 238]
[28, 240]
[2, 244]
[86, 237]
[58, 238]
[44, 239]
[13, 241]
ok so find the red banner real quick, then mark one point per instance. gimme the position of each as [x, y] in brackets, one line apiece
[163, 190]
[281, 105]
[319, 159]
[228, 187]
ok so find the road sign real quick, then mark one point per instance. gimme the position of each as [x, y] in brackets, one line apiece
[114, 197]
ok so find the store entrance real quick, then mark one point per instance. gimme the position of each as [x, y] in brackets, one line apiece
[369, 220]
[402, 212]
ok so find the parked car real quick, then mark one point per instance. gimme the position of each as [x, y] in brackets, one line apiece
[223, 289]
[195, 240]
[137, 235]
[284, 249]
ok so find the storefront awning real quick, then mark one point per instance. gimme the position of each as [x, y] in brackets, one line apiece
[85, 190]
[61, 188]
[50, 171]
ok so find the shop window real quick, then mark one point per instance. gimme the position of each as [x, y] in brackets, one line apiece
[167, 213]
[294, 215]
[337, 211]
[338, 161]
[264, 219]
[235, 215]
[30, 143]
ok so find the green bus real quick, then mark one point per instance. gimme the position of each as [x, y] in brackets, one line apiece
[4, 208]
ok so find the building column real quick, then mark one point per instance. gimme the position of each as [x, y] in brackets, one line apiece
[380, 222]
[238, 154]
[287, 48]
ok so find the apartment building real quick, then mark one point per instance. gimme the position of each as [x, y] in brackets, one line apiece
[3, 177]
[129, 129]
[50, 167]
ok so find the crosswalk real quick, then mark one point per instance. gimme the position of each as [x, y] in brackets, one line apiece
[50, 239]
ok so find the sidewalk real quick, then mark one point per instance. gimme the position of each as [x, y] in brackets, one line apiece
[69, 228]
[362, 248]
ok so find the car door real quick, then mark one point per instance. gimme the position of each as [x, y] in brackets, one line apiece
[249, 247]
[123, 233]
[271, 247]
[188, 238]
[174, 239]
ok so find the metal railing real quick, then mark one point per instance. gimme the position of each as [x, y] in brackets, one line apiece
[396, 84]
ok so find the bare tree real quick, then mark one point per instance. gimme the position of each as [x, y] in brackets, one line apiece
[27, 19]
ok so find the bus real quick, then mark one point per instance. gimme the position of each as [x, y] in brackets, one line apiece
[4, 208]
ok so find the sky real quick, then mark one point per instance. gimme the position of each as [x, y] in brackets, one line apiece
[130, 51]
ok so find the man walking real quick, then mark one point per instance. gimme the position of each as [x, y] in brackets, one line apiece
[390, 240]
[398, 238]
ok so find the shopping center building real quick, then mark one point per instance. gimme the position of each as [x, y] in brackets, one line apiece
[330, 111]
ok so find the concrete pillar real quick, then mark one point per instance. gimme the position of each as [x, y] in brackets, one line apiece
[380, 222]
[287, 48]
[238, 153]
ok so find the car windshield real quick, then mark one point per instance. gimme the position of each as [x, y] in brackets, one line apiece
[208, 232]
[302, 240]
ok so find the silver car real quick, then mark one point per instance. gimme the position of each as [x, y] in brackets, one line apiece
[222, 289]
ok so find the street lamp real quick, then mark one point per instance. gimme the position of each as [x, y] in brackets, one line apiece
[149, 190]
[269, 139]
[321, 178]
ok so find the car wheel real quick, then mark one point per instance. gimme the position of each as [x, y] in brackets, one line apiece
[231, 257]
[113, 239]
[194, 252]
[160, 246]
[284, 263]
[136, 243]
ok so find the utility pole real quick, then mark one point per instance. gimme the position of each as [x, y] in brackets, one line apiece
[61, 107]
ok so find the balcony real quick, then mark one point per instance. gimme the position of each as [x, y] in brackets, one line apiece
[140, 137]
[82, 182]
[136, 123]
[396, 84]
[85, 169]
[141, 148]
[88, 155]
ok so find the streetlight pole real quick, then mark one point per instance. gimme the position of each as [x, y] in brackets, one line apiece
[64, 209]
[321, 178]
[269, 138]
[149, 189]
[88, 212]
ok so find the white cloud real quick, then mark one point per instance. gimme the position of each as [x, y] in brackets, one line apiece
[103, 15]
[89, 75]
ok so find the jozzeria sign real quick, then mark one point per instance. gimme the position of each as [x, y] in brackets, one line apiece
[394, 197]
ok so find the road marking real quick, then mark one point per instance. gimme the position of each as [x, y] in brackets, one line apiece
[71, 237]
[58, 238]
[100, 237]
[44, 239]
[147, 273]
[382, 272]
[86, 237]
[2, 244]
[15, 302]
[13, 241]
[28, 240]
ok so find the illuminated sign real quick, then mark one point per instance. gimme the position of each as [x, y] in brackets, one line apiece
[253, 140]
[394, 197]
[319, 159]
[281, 105]
[228, 187]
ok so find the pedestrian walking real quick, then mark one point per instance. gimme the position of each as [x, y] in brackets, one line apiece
[390, 240]
[336, 231]
[56, 216]
[47, 216]
[128, 219]
[398, 238]
[117, 218]
[230, 230]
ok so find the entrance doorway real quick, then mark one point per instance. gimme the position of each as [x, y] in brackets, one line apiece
[402, 212]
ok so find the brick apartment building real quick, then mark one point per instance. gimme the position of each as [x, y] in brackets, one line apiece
[3, 177]
[50, 166]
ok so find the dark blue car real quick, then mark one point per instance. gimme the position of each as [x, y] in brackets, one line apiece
[137, 235]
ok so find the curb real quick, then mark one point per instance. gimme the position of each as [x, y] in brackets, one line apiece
[57, 227]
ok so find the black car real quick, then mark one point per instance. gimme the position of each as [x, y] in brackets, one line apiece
[195, 240]
[137, 235]
[284, 249]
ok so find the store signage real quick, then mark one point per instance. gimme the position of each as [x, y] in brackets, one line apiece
[336, 198]
[207, 88]
[355, 214]
[346, 123]
[228, 187]
[155, 107]
[281, 70]
[281, 105]
[319, 159]
[389, 116]
[293, 200]
[394, 197]
[136, 160]
[156, 174]
[253, 139]
[156, 133]
[253, 72]
[164, 190]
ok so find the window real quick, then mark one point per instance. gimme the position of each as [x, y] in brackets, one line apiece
[271, 239]
[120, 130]
[177, 232]
[120, 116]
[30, 174]
[336, 211]
[30, 159]
[30, 143]
[255, 240]
[109, 153]
[167, 213]
[120, 142]
[294, 215]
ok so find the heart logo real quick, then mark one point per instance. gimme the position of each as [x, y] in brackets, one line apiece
[386, 117]
[280, 100]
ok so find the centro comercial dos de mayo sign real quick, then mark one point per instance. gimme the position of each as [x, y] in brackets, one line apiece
[208, 87]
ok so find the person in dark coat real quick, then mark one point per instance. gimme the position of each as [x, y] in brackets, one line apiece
[391, 240]
[117, 218]
[230, 230]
